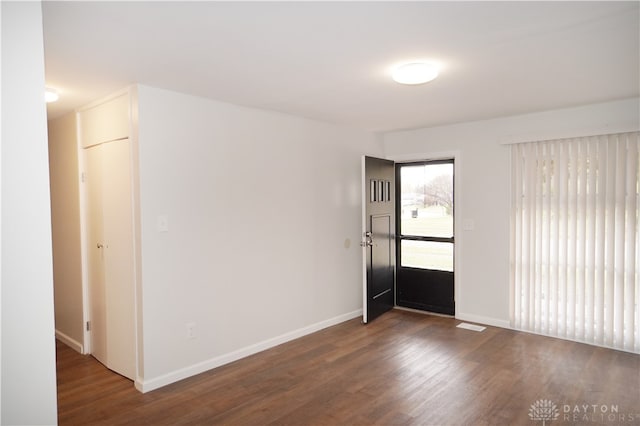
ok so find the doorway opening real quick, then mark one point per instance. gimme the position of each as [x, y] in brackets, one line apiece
[425, 236]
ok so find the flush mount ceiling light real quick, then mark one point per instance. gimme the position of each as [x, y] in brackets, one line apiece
[50, 95]
[415, 73]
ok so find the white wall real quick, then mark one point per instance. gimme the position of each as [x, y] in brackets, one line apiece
[65, 220]
[264, 224]
[483, 185]
[28, 353]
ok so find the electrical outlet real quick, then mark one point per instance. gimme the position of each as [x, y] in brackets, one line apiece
[191, 330]
[163, 223]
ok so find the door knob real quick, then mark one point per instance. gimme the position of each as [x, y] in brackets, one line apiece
[99, 245]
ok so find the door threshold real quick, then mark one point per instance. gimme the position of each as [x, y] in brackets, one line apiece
[418, 311]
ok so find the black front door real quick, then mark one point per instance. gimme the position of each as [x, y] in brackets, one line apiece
[425, 240]
[378, 236]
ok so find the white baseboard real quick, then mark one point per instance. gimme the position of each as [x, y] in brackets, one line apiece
[72, 343]
[174, 376]
[479, 319]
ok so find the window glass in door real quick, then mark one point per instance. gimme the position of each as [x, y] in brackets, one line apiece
[426, 216]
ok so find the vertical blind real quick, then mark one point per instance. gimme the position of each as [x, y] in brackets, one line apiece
[575, 239]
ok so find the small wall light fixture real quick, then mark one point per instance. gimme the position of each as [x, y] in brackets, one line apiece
[50, 95]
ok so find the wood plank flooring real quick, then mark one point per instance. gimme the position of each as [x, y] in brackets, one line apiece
[403, 368]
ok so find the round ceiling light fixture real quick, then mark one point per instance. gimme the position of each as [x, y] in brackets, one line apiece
[50, 95]
[415, 73]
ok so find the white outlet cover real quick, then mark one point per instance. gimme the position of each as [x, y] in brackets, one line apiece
[163, 223]
[191, 330]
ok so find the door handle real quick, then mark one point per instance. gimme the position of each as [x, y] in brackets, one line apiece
[368, 242]
[99, 245]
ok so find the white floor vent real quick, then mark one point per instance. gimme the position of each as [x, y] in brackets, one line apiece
[473, 327]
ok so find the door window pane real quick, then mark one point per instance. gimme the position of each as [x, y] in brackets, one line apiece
[427, 255]
[426, 208]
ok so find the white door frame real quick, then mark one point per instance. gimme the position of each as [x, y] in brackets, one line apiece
[457, 211]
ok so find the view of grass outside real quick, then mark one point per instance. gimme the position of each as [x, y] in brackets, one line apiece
[427, 255]
[427, 211]
[432, 221]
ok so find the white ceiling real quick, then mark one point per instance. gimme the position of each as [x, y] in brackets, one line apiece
[330, 61]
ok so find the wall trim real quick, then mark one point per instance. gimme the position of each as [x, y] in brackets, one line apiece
[495, 322]
[183, 373]
[464, 317]
[72, 343]
[610, 121]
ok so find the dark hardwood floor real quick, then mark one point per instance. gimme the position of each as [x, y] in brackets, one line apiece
[403, 368]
